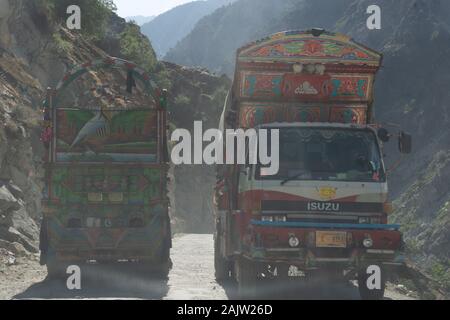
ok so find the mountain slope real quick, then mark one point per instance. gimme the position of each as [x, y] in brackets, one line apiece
[411, 92]
[168, 28]
[246, 21]
[140, 20]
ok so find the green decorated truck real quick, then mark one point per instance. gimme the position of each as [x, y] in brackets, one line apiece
[105, 196]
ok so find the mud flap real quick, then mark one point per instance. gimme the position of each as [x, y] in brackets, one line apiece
[247, 278]
[43, 243]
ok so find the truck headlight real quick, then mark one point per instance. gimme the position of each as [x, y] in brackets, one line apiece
[368, 242]
[294, 242]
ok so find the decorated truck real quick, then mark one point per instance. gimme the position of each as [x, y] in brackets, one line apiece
[325, 213]
[105, 196]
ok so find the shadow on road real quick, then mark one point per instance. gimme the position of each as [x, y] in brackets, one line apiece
[101, 282]
[297, 290]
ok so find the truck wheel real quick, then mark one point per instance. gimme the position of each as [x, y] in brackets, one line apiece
[367, 293]
[221, 265]
[246, 276]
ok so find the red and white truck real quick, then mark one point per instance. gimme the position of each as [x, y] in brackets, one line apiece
[326, 210]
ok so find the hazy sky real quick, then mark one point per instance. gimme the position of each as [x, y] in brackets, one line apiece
[127, 8]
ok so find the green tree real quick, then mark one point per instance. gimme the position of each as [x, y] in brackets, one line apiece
[137, 48]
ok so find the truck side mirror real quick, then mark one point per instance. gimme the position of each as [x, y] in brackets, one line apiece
[405, 143]
[383, 135]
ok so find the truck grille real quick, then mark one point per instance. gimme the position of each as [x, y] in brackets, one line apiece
[302, 206]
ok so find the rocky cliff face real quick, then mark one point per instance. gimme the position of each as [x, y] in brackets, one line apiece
[20, 150]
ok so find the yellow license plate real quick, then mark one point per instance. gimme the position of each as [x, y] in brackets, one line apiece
[331, 239]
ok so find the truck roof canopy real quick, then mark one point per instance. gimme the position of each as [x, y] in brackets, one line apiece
[304, 76]
[313, 46]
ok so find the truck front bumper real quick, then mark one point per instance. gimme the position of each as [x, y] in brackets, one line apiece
[270, 244]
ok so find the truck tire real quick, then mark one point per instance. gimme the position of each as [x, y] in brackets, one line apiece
[221, 265]
[246, 277]
[370, 294]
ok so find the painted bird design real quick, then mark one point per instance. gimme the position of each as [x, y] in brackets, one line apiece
[94, 133]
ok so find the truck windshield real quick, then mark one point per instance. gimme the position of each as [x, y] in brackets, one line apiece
[327, 154]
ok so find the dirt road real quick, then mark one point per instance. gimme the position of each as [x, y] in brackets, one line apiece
[192, 278]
